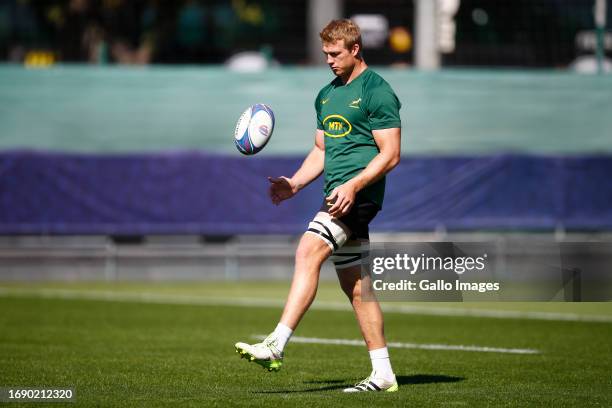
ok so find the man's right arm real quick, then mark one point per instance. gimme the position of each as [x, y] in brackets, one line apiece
[283, 188]
[312, 167]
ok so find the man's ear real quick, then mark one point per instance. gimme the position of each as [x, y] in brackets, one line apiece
[355, 50]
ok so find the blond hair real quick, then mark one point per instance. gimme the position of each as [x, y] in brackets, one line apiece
[343, 29]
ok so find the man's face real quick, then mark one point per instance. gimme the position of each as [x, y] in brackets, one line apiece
[340, 59]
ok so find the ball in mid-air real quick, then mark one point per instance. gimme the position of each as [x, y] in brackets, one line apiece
[254, 129]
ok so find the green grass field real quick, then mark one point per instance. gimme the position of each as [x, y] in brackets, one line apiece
[138, 344]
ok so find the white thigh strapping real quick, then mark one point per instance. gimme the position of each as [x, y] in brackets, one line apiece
[353, 253]
[329, 229]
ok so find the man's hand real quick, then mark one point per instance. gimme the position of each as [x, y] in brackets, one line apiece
[341, 200]
[281, 188]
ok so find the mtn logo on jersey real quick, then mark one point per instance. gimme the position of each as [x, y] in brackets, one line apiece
[336, 126]
[355, 104]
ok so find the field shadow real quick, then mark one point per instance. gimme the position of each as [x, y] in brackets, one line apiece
[426, 379]
[337, 384]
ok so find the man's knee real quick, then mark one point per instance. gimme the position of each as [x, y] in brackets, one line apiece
[312, 249]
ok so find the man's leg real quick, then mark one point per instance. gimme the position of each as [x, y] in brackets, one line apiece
[309, 256]
[368, 313]
[312, 251]
[370, 319]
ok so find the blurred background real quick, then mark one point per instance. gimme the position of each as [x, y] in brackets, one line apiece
[116, 121]
[521, 33]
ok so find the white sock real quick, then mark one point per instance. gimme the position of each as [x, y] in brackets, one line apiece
[381, 363]
[283, 334]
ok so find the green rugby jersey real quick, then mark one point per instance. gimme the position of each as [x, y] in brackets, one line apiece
[347, 114]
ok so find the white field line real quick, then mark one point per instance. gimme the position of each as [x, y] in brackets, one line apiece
[147, 297]
[347, 342]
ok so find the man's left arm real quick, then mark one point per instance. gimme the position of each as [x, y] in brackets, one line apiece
[389, 146]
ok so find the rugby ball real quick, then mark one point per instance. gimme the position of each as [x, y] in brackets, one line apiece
[254, 129]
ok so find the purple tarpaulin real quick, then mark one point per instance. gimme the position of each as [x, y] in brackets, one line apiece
[200, 193]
